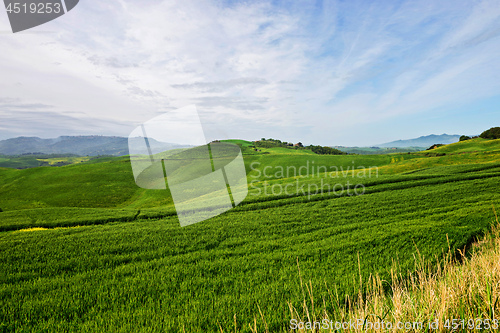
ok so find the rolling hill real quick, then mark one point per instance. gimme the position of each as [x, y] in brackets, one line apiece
[86, 230]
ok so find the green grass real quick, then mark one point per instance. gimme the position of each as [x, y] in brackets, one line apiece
[378, 150]
[108, 182]
[113, 257]
[241, 143]
[58, 161]
[473, 145]
[98, 185]
[33, 161]
[57, 217]
[20, 162]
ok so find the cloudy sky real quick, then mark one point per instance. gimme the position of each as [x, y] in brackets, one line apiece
[320, 72]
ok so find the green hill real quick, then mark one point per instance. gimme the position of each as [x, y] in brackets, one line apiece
[472, 145]
[36, 160]
[85, 249]
[241, 143]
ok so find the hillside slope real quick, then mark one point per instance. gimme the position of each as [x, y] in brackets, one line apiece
[469, 146]
[88, 231]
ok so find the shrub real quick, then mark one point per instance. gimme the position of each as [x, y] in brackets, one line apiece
[464, 137]
[434, 146]
[492, 133]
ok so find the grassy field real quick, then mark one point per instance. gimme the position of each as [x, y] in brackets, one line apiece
[84, 249]
[37, 160]
[461, 294]
[379, 150]
[473, 145]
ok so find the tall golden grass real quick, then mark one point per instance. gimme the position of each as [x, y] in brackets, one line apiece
[464, 287]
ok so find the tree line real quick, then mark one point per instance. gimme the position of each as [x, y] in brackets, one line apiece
[320, 150]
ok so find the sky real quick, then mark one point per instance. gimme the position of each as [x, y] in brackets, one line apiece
[352, 73]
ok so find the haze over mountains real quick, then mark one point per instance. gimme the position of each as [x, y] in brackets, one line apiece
[80, 145]
[423, 141]
[118, 146]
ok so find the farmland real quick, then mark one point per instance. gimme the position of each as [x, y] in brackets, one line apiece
[84, 249]
[36, 160]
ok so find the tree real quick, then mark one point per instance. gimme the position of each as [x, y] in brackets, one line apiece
[492, 133]
[464, 137]
[299, 144]
[325, 150]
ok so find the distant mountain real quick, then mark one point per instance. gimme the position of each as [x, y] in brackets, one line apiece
[423, 141]
[81, 145]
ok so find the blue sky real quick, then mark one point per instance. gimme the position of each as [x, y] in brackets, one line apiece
[320, 72]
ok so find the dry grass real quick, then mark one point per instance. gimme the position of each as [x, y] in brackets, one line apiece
[464, 288]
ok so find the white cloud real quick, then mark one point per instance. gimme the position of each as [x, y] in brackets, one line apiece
[301, 71]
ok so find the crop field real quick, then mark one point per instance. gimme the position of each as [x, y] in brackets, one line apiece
[84, 249]
[33, 160]
[64, 160]
[377, 150]
[474, 145]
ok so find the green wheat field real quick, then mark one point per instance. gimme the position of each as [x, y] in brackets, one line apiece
[84, 249]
